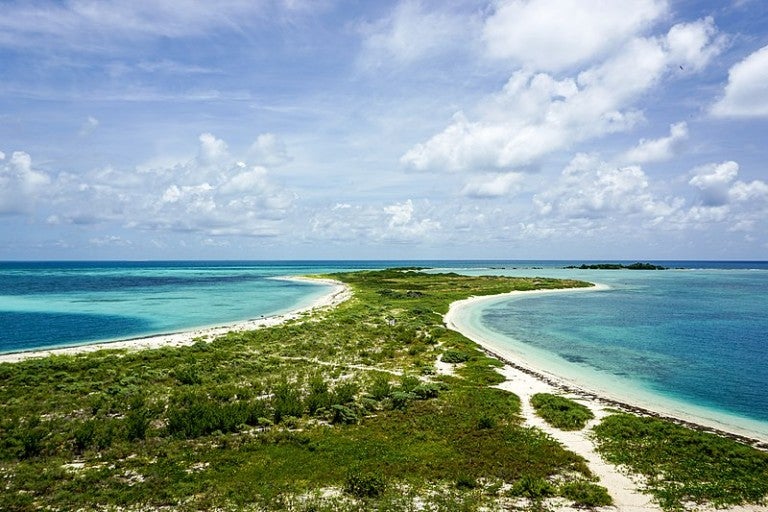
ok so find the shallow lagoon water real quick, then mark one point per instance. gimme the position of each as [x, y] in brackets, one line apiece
[687, 342]
[44, 305]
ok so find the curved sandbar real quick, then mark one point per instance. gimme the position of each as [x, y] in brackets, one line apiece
[338, 294]
[618, 395]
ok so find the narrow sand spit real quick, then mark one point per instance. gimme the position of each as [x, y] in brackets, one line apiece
[525, 381]
[338, 294]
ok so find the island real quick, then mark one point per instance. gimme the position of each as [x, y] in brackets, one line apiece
[375, 403]
[617, 266]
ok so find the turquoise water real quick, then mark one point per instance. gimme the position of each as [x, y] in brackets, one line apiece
[44, 305]
[694, 339]
[684, 338]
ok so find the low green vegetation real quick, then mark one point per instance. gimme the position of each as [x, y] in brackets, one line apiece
[561, 412]
[684, 466]
[339, 410]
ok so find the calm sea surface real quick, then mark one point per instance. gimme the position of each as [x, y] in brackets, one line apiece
[696, 334]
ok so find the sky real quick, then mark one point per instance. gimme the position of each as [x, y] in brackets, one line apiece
[325, 129]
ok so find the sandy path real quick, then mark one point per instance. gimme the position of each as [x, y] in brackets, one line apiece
[625, 492]
[339, 293]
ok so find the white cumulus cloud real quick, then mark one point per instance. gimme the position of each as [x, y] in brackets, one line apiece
[213, 193]
[536, 113]
[718, 186]
[714, 182]
[589, 188]
[657, 150]
[20, 184]
[550, 35]
[746, 94]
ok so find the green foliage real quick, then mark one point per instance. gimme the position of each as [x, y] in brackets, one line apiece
[286, 401]
[586, 494]
[319, 397]
[533, 487]
[455, 356]
[84, 435]
[485, 422]
[345, 393]
[137, 419]
[192, 415]
[561, 412]
[381, 387]
[364, 484]
[427, 391]
[466, 482]
[343, 414]
[683, 465]
[401, 399]
[187, 375]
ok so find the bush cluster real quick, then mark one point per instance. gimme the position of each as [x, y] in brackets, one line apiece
[561, 412]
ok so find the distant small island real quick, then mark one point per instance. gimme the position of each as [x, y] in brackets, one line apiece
[618, 266]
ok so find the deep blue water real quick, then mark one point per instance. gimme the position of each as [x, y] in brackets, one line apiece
[697, 335]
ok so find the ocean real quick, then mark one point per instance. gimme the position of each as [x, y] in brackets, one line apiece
[690, 339]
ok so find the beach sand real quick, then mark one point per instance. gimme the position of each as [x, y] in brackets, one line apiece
[338, 294]
[525, 380]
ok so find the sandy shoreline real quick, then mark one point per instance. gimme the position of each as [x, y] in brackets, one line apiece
[338, 294]
[603, 397]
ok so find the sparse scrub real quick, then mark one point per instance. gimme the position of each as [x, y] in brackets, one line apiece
[682, 465]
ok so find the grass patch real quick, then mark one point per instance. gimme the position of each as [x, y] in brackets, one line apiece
[683, 465]
[561, 412]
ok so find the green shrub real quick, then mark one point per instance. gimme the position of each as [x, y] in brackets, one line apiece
[381, 388]
[344, 393]
[533, 488]
[408, 383]
[187, 375]
[426, 391]
[137, 420]
[84, 436]
[560, 412]
[318, 397]
[343, 414]
[194, 415]
[455, 357]
[466, 482]
[31, 441]
[485, 422]
[586, 494]
[286, 401]
[400, 399]
[364, 484]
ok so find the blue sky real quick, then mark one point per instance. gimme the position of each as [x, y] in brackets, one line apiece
[292, 129]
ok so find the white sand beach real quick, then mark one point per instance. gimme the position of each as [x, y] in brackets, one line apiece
[339, 293]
